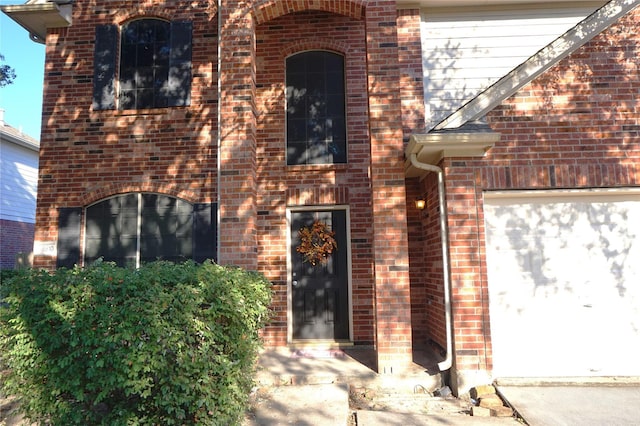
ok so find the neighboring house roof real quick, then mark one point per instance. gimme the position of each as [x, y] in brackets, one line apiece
[15, 136]
[537, 64]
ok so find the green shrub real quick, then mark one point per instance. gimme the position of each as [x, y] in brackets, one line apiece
[165, 344]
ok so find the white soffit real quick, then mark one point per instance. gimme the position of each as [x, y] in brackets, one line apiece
[430, 148]
[37, 16]
[546, 58]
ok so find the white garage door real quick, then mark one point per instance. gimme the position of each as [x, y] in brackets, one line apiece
[564, 283]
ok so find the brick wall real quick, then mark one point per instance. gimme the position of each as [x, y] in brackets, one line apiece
[87, 155]
[425, 249]
[15, 237]
[282, 186]
[574, 127]
[390, 243]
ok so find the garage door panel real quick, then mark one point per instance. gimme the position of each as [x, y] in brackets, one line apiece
[564, 284]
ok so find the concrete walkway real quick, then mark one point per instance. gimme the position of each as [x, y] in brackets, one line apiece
[584, 404]
[312, 388]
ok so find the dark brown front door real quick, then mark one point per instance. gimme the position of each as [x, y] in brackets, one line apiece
[320, 292]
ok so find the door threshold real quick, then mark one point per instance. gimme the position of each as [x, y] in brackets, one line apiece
[320, 344]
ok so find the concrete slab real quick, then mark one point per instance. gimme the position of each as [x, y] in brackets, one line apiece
[384, 418]
[591, 405]
[285, 366]
[308, 405]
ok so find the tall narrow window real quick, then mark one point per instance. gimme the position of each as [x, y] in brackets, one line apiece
[316, 119]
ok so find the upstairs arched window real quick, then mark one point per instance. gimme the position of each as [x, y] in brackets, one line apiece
[154, 69]
[316, 113]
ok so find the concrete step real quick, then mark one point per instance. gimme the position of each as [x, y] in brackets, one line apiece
[313, 405]
[285, 367]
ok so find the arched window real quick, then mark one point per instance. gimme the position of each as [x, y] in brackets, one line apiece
[134, 228]
[316, 117]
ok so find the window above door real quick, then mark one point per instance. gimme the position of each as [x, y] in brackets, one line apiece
[316, 112]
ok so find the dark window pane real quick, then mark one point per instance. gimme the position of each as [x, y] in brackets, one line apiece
[296, 64]
[145, 99]
[334, 63]
[127, 99]
[335, 84]
[144, 63]
[166, 230]
[146, 55]
[296, 153]
[162, 31]
[315, 61]
[296, 130]
[104, 67]
[111, 230]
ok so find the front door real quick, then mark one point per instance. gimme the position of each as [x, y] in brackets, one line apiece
[320, 294]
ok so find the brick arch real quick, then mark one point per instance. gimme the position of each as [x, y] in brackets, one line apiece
[315, 44]
[266, 10]
[123, 188]
[151, 12]
[141, 13]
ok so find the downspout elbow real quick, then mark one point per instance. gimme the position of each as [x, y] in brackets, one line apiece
[448, 361]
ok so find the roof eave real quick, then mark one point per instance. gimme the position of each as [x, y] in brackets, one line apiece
[25, 142]
[36, 18]
[432, 147]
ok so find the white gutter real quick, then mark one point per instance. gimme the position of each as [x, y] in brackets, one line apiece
[446, 364]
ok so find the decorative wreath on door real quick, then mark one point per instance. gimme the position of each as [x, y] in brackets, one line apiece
[316, 243]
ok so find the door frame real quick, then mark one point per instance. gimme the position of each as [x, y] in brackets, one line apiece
[347, 211]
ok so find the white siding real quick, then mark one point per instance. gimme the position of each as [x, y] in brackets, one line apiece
[467, 50]
[18, 182]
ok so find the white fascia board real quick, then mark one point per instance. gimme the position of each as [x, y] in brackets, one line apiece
[430, 148]
[36, 17]
[33, 145]
[546, 58]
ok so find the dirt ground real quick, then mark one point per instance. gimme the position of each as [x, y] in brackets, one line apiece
[8, 417]
[359, 399]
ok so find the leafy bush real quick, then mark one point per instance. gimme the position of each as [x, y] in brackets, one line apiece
[165, 344]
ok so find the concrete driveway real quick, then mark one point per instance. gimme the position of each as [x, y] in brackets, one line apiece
[568, 405]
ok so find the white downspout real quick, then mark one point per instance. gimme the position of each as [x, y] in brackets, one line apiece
[446, 364]
[219, 133]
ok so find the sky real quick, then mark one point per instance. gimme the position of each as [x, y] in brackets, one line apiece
[22, 100]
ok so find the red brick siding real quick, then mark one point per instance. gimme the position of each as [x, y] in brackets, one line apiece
[87, 155]
[425, 254]
[425, 257]
[238, 185]
[411, 74]
[390, 244]
[576, 126]
[15, 237]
